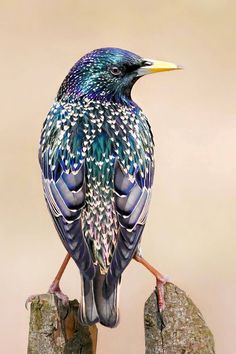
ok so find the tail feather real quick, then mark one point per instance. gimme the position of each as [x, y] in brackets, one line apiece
[106, 299]
[88, 312]
[99, 302]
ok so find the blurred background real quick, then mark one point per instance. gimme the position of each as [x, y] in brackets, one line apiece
[190, 234]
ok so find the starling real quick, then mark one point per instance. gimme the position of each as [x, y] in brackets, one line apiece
[96, 156]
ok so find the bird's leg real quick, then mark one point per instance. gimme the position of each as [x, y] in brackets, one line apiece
[160, 280]
[54, 287]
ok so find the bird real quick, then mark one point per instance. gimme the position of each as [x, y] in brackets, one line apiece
[97, 161]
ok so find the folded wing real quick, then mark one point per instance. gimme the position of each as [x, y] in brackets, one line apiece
[132, 198]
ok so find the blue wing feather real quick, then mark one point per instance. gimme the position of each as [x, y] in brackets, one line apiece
[65, 207]
[65, 188]
[132, 207]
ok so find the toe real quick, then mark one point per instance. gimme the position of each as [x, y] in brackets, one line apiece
[60, 295]
[160, 295]
[29, 300]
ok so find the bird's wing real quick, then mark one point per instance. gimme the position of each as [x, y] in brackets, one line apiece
[65, 188]
[132, 198]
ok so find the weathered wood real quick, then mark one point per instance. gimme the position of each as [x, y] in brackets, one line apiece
[55, 329]
[180, 329]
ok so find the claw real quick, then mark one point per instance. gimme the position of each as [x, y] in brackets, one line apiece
[30, 299]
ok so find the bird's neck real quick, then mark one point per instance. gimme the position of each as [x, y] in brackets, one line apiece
[71, 89]
[118, 98]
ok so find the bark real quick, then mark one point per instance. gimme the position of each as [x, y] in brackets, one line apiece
[180, 329]
[55, 329]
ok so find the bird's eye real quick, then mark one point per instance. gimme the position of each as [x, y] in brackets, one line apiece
[115, 71]
[146, 63]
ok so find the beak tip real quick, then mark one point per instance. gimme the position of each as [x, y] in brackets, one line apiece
[180, 67]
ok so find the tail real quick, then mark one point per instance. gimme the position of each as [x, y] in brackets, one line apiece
[88, 314]
[99, 301]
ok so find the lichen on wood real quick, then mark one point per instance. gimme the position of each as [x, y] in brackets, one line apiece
[55, 329]
[180, 329]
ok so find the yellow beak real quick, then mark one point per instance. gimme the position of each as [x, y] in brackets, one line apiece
[156, 66]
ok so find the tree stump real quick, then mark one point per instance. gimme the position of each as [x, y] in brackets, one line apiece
[55, 329]
[180, 329]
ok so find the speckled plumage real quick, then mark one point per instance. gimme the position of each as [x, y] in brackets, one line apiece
[96, 155]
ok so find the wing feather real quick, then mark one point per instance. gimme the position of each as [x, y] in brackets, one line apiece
[64, 183]
[132, 202]
[65, 204]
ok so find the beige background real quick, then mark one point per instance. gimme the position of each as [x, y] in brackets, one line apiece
[190, 233]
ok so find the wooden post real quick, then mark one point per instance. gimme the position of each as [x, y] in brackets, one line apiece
[180, 329]
[55, 329]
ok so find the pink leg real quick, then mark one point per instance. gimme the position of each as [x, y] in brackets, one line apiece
[55, 286]
[160, 280]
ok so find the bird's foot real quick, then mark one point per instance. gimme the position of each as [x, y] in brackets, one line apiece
[160, 282]
[55, 289]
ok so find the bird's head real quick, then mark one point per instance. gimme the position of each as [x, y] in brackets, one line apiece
[109, 74]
